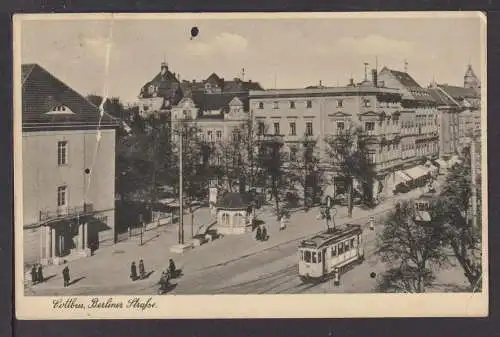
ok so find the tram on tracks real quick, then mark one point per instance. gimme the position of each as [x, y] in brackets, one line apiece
[334, 249]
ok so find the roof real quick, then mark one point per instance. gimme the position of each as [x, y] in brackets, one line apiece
[441, 98]
[414, 89]
[42, 92]
[217, 101]
[333, 235]
[459, 93]
[233, 200]
[323, 91]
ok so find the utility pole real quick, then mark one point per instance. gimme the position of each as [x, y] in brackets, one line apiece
[181, 190]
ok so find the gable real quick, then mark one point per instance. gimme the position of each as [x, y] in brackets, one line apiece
[236, 102]
[44, 97]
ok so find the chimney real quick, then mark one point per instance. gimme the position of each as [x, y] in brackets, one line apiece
[320, 84]
[374, 77]
[351, 82]
[194, 81]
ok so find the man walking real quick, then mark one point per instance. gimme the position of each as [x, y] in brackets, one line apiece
[40, 274]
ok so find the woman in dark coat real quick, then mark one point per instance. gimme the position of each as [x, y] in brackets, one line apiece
[142, 270]
[258, 234]
[65, 273]
[264, 233]
[34, 275]
[133, 272]
[40, 274]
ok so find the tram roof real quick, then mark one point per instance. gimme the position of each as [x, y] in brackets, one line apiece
[331, 236]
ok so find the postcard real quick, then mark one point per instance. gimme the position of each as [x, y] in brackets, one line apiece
[250, 165]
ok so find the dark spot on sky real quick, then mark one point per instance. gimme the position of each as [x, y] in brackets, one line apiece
[87, 171]
[372, 275]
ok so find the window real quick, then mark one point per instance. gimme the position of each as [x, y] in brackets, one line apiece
[61, 196]
[352, 242]
[309, 128]
[319, 256]
[236, 136]
[301, 255]
[309, 104]
[368, 103]
[293, 130]
[340, 126]
[276, 128]
[347, 247]
[275, 105]
[369, 126]
[62, 153]
[292, 105]
[334, 250]
[307, 256]
[218, 134]
[341, 248]
[261, 105]
[339, 103]
[209, 134]
[261, 128]
[313, 257]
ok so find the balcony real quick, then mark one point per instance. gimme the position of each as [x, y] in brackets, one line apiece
[66, 212]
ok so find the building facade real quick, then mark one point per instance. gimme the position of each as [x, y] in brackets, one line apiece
[68, 150]
[398, 137]
[459, 112]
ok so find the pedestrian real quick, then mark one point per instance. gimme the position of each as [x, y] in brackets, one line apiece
[282, 223]
[171, 267]
[258, 235]
[264, 233]
[336, 277]
[40, 274]
[142, 271]
[34, 276]
[133, 272]
[65, 274]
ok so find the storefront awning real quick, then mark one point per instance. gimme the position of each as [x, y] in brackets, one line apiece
[416, 172]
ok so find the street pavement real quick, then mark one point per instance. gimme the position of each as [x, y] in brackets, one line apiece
[231, 265]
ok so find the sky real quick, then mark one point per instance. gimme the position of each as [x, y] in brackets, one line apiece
[276, 52]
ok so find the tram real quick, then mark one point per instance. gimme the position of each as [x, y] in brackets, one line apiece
[336, 248]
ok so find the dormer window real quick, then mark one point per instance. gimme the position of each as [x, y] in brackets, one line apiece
[292, 105]
[261, 105]
[60, 110]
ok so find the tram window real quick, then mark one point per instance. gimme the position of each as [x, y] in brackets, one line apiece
[319, 256]
[352, 243]
[301, 255]
[307, 256]
[341, 248]
[313, 257]
[334, 250]
[346, 246]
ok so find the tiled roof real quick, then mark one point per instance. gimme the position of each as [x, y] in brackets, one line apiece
[404, 78]
[441, 98]
[217, 101]
[42, 91]
[459, 92]
[168, 85]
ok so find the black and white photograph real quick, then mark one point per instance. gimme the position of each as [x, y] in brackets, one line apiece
[163, 157]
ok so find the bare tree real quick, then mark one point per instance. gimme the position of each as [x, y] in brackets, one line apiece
[412, 250]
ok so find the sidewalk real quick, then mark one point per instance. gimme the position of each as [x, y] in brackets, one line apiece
[110, 266]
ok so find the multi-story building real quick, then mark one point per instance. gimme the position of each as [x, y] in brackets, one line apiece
[397, 137]
[459, 112]
[68, 171]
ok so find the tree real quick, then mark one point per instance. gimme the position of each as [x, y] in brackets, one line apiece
[271, 159]
[231, 167]
[411, 249]
[303, 168]
[455, 208]
[349, 156]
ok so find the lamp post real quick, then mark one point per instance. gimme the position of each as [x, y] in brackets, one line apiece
[181, 190]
